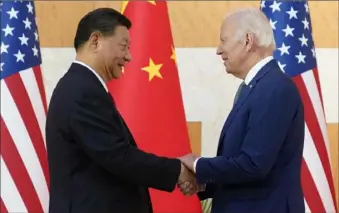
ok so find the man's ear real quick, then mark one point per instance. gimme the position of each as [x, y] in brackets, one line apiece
[93, 40]
[249, 41]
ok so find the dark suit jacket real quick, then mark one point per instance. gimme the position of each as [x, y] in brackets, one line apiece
[95, 165]
[258, 163]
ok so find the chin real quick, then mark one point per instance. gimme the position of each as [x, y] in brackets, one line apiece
[116, 75]
[228, 71]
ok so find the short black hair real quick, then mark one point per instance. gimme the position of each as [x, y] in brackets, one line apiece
[103, 20]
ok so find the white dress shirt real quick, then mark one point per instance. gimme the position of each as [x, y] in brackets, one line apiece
[250, 75]
[256, 68]
[95, 73]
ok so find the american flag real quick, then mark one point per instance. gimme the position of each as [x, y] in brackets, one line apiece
[24, 169]
[295, 53]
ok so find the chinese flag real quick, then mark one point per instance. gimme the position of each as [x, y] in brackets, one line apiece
[148, 95]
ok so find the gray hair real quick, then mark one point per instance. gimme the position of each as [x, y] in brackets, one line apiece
[253, 20]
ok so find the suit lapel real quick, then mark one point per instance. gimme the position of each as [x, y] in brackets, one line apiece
[125, 128]
[84, 72]
[243, 96]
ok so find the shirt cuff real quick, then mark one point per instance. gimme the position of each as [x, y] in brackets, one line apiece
[195, 164]
[202, 188]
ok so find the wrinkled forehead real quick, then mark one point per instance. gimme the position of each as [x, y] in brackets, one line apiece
[122, 34]
[228, 28]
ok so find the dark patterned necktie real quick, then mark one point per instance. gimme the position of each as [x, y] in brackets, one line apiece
[238, 93]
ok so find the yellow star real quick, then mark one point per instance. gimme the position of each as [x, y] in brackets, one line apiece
[173, 56]
[125, 3]
[153, 69]
[152, 2]
[123, 6]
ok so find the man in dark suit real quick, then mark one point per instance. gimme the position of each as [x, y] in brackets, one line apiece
[258, 162]
[95, 164]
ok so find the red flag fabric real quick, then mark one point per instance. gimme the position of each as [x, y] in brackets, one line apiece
[148, 95]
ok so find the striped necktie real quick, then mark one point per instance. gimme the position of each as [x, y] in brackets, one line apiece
[238, 93]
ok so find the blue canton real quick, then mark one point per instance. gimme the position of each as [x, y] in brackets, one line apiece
[20, 48]
[291, 24]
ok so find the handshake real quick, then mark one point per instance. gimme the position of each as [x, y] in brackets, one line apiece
[187, 181]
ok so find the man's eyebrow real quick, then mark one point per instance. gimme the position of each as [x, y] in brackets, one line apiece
[122, 43]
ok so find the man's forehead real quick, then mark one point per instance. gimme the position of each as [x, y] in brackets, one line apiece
[122, 33]
[228, 26]
[224, 30]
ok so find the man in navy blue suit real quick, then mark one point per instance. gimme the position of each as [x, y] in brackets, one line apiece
[258, 162]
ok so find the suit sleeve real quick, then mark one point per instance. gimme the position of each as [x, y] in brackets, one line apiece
[269, 121]
[209, 191]
[96, 130]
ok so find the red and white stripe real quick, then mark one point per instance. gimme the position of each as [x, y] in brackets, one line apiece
[317, 179]
[24, 168]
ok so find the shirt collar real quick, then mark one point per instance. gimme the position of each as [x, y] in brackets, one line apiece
[94, 72]
[255, 69]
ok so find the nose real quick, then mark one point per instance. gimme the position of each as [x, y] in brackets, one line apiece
[219, 51]
[128, 56]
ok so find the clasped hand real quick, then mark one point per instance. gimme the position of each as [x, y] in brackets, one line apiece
[187, 181]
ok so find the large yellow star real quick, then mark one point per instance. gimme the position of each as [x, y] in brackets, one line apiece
[125, 3]
[153, 69]
[173, 56]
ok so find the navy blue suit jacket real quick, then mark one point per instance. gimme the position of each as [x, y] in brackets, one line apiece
[258, 162]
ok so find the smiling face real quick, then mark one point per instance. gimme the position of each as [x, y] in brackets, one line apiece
[112, 52]
[233, 51]
[102, 42]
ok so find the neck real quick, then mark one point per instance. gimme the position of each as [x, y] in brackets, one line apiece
[91, 61]
[252, 61]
